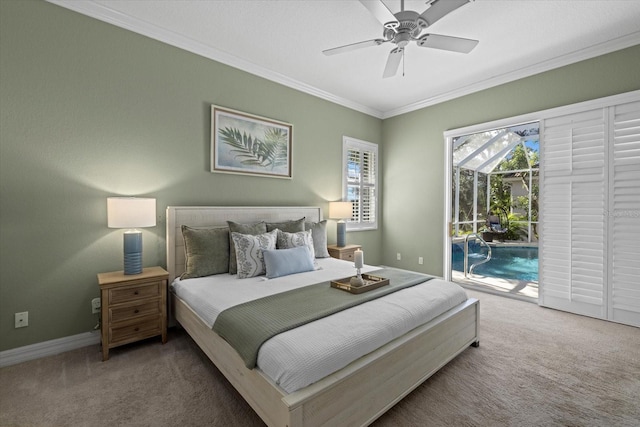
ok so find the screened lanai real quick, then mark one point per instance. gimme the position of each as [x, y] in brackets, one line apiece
[496, 173]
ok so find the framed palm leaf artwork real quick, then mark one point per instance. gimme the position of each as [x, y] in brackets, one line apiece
[247, 144]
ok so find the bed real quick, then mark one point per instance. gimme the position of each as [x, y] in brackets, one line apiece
[355, 394]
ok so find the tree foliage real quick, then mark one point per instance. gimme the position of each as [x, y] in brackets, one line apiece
[466, 194]
[501, 196]
[519, 159]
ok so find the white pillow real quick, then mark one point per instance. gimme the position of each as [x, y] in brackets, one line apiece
[292, 240]
[250, 260]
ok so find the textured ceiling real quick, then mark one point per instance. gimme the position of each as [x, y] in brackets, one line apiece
[283, 40]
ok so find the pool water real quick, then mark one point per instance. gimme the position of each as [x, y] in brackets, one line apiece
[507, 262]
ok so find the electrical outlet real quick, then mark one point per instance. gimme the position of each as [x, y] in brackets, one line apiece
[22, 319]
[95, 305]
[420, 260]
[398, 256]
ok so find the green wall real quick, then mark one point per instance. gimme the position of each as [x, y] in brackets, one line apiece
[89, 110]
[413, 166]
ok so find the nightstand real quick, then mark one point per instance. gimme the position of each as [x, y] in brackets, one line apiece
[134, 307]
[343, 252]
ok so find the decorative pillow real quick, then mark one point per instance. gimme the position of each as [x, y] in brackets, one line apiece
[249, 252]
[206, 251]
[282, 262]
[288, 226]
[319, 235]
[292, 240]
[255, 228]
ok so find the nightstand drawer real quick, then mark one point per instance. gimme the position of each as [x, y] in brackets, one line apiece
[121, 313]
[131, 293]
[148, 327]
[348, 255]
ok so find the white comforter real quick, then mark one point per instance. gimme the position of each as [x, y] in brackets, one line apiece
[302, 356]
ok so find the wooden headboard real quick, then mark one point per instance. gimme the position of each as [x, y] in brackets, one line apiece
[217, 216]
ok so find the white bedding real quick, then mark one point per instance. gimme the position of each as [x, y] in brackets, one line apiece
[302, 356]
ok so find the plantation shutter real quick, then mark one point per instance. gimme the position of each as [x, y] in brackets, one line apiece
[353, 180]
[590, 205]
[361, 182]
[624, 214]
[573, 202]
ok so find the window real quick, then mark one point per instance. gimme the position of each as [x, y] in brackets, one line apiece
[360, 182]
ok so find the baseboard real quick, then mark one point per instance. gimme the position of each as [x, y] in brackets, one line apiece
[48, 348]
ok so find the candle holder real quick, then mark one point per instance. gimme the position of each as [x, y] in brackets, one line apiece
[357, 281]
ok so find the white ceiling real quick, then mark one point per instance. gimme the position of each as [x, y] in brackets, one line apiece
[283, 40]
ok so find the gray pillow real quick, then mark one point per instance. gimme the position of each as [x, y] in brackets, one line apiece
[288, 226]
[235, 227]
[249, 252]
[319, 235]
[206, 251]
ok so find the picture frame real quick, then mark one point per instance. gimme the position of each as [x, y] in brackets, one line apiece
[247, 144]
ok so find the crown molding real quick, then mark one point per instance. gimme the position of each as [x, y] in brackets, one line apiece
[540, 67]
[106, 14]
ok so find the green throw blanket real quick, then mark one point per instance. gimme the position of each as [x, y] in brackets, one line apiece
[247, 326]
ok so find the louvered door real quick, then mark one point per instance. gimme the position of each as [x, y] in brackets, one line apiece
[590, 204]
[624, 214]
[573, 202]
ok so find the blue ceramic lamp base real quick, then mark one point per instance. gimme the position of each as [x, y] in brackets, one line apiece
[342, 234]
[133, 252]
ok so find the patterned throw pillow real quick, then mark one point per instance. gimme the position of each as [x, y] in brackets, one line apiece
[292, 240]
[254, 229]
[250, 260]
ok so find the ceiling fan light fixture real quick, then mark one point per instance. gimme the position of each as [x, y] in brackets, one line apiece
[402, 39]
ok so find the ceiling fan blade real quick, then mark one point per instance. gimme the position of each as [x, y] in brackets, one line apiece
[454, 44]
[393, 62]
[440, 8]
[381, 12]
[353, 46]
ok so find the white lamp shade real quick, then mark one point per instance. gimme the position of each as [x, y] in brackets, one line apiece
[131, 212]
[340, 210]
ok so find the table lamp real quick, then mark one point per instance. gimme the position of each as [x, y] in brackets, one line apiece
[340, 211]
[131, 213]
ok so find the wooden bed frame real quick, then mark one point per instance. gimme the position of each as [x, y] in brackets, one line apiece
[355, 395]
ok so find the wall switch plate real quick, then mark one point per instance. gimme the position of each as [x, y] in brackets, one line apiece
[420, 260]
[398, 256]
[95, 305]
[22, 319]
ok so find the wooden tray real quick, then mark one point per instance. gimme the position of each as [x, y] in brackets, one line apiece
[370, 283]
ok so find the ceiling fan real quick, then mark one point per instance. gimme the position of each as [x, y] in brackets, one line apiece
[406, 26]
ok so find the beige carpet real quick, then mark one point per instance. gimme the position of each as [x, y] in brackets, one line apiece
[534, 367]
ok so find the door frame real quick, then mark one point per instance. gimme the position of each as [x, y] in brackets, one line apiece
[510, 121]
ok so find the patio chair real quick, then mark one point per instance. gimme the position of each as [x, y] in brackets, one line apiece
[494, 224]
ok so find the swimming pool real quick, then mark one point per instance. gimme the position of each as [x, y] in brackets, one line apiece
[507, 262]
